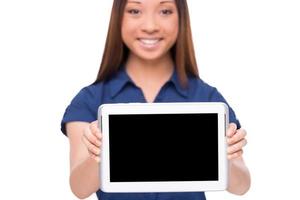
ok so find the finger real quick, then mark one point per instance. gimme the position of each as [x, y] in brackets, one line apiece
[93, 150]
[236, 147]
[95, 123]
[231, 129]
[235, 155]
[96, 158]
[91, 137]
[240, 134]
[95, 129]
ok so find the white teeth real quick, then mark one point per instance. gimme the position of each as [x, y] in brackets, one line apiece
[149, 41]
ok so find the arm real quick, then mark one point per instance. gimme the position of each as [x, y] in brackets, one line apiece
[239, 176]
[84, 157]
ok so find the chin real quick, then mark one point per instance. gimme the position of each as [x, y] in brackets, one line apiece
[149, 56]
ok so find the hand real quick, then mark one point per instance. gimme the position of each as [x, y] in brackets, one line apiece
[235, 141]
[92, 138]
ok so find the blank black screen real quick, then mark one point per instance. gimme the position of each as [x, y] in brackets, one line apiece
[163, 147]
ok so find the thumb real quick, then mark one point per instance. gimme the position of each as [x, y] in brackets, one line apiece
[95, 123]
[231, 130]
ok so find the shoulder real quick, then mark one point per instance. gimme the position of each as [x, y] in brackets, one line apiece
[89, 94]
[92, 90]
[198, 87]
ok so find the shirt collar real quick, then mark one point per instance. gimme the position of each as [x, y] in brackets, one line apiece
[121, 78]
[175, 80]
[118, 81]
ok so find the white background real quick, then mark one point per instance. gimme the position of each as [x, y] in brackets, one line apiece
[49, 50]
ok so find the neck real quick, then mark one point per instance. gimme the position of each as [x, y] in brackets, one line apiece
[154, 70]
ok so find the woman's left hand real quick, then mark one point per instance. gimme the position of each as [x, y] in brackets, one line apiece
[235, 141]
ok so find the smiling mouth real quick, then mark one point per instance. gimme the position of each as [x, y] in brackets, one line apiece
[149, 42]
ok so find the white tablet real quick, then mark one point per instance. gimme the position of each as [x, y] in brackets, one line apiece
[163, 147]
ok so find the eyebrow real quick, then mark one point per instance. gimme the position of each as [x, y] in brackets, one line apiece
[134, 2]
[162, 2]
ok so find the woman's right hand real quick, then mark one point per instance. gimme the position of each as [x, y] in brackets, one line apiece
[92, 138]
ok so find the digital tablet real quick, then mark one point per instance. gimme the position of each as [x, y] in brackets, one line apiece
[163, 147]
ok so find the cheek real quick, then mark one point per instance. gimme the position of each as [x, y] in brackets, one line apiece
[127, 31]
[172, 31]
[171, 28]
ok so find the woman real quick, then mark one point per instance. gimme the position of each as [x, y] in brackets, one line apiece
[148, 57]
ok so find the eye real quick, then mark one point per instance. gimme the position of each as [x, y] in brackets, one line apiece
[133, 11]
[166, 12]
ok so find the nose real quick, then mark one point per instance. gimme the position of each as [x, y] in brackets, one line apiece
[149, 24]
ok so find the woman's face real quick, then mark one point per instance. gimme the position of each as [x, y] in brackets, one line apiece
[150, 27]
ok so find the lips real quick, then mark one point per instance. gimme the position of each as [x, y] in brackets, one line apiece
[149, 42]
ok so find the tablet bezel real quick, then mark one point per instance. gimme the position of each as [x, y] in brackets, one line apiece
[163, 108]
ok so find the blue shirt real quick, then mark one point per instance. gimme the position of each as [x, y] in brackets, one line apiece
[121, 89]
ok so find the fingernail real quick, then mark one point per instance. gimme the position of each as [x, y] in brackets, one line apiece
[98, 151]
[229, 141]
[97, 159]
[98, 143]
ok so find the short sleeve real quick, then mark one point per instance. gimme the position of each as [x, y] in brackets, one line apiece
[216, 96]
[80, 109]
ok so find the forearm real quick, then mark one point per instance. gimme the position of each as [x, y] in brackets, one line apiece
[84, 178]
[239, 177]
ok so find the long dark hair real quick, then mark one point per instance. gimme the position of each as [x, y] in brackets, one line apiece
[116, 53]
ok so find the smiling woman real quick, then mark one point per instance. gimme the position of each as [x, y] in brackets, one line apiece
[150, 30]
[134, 21]
[148, 57]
